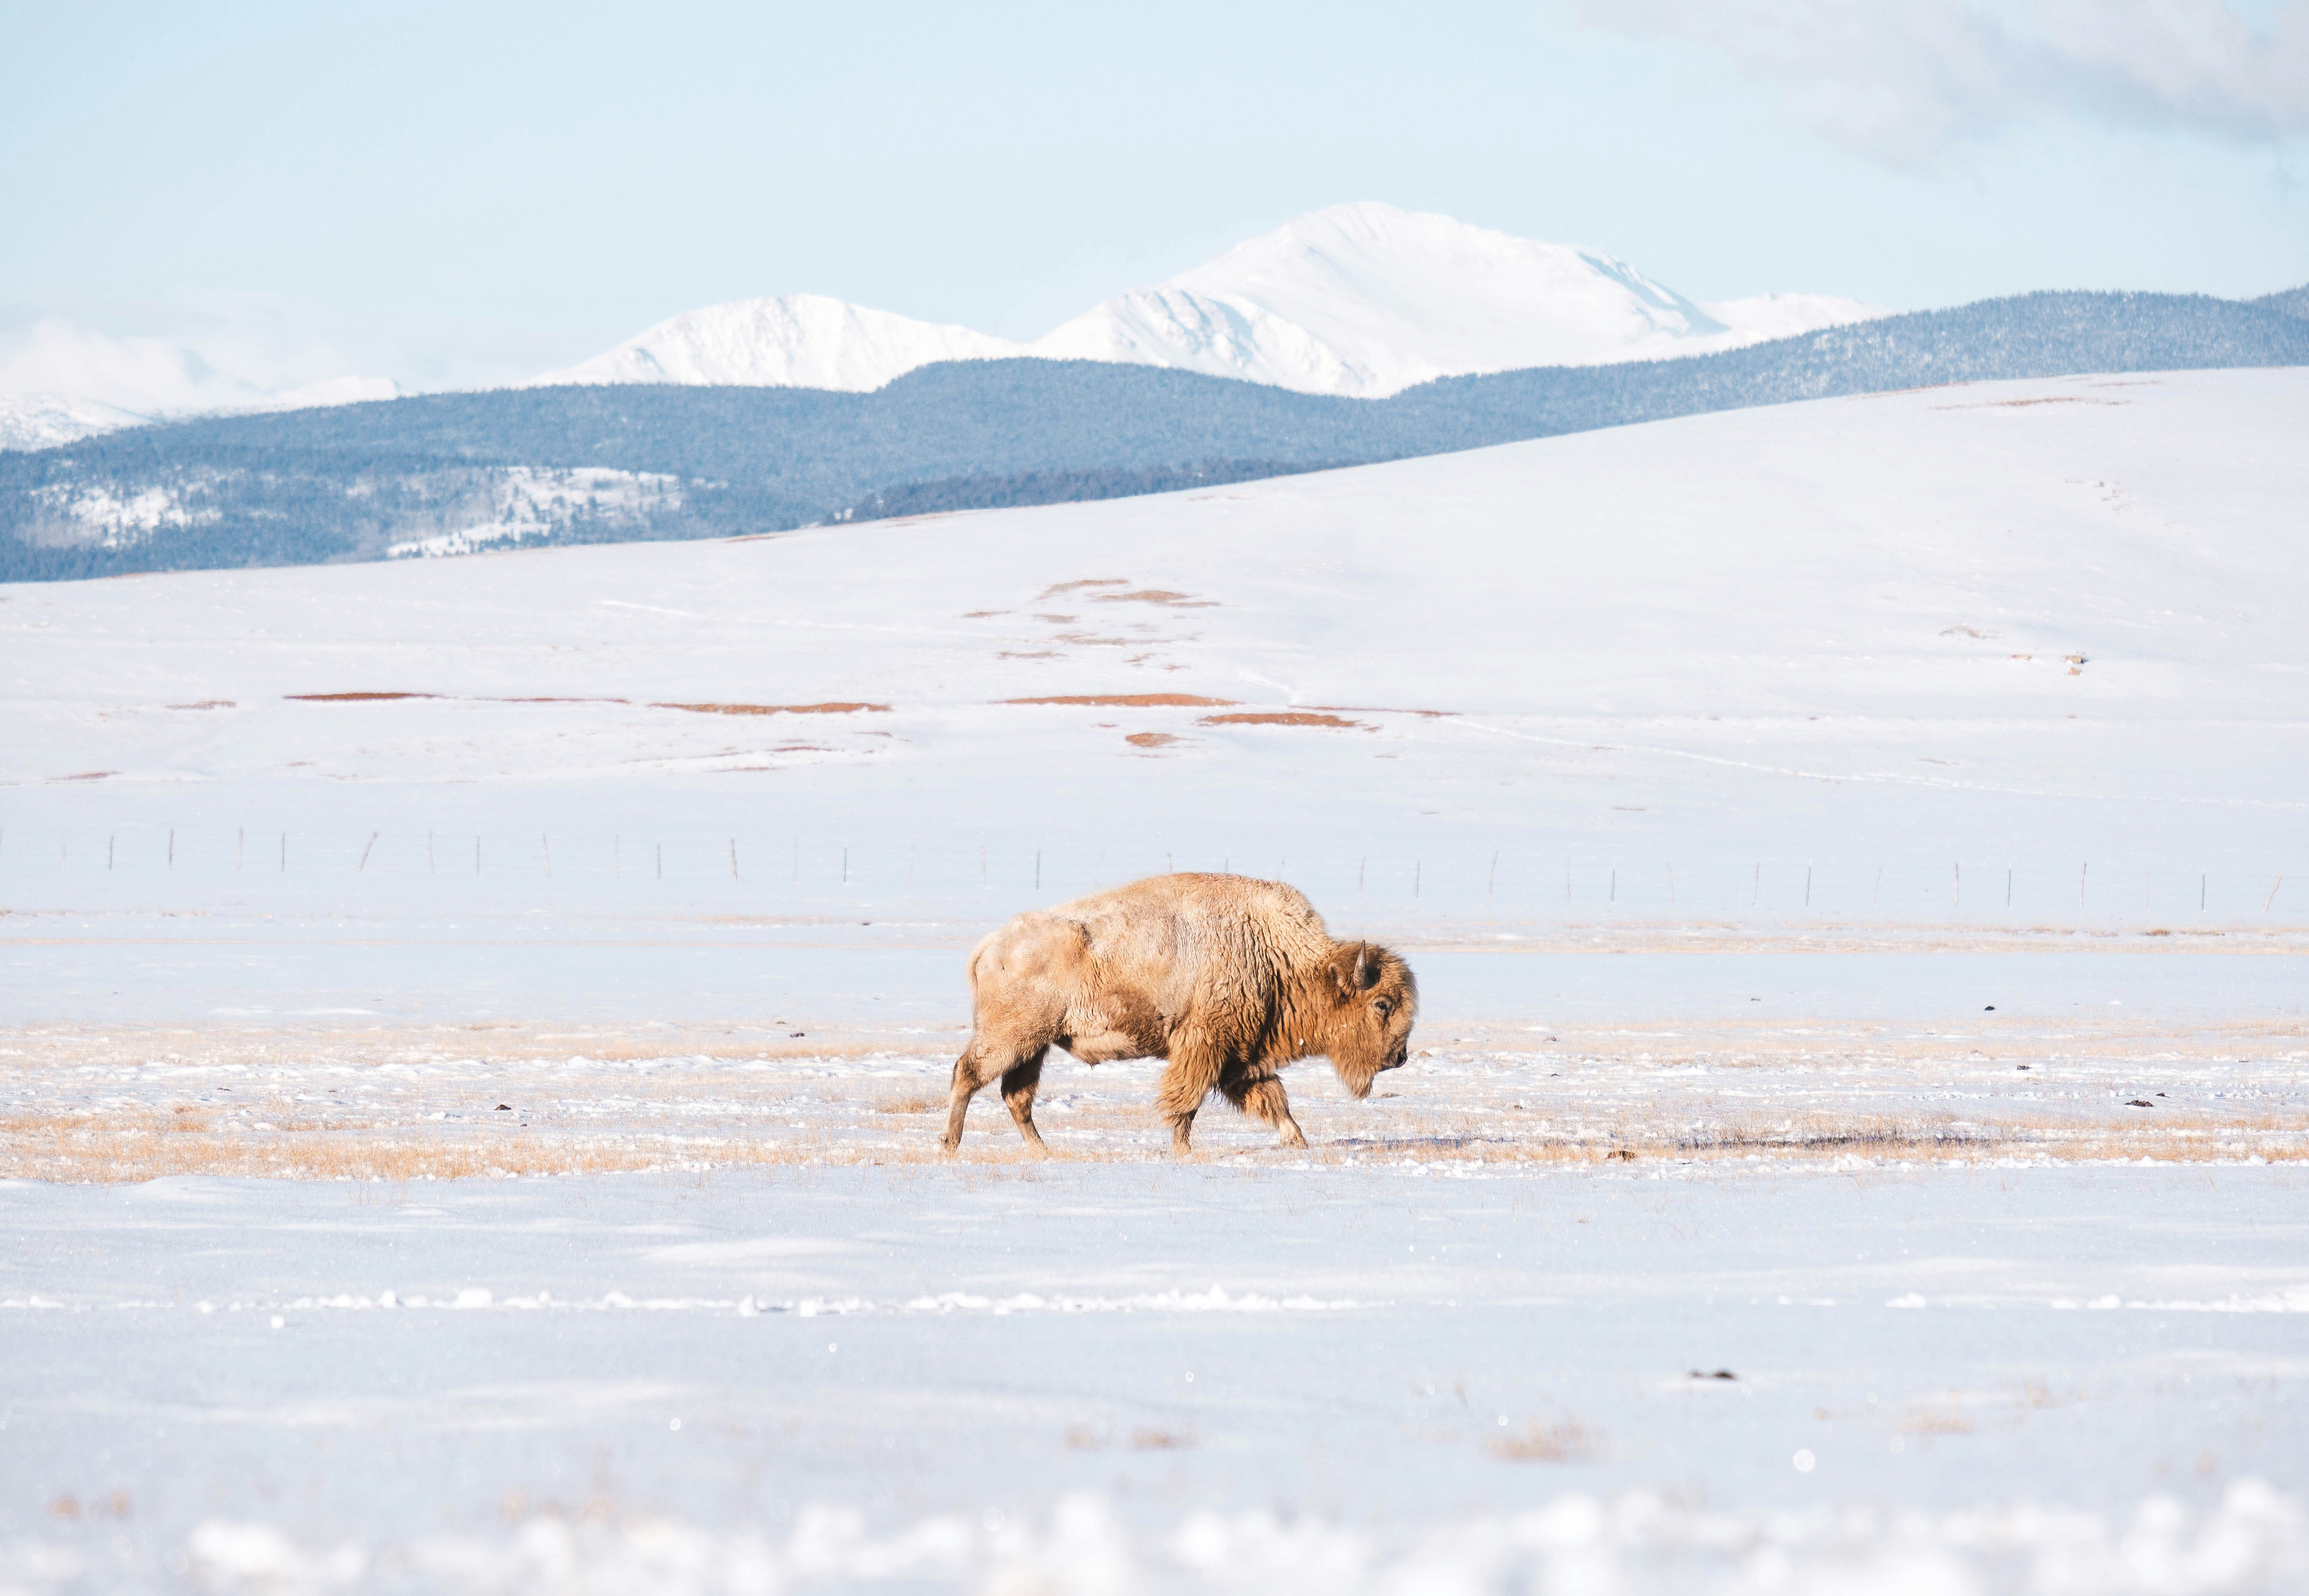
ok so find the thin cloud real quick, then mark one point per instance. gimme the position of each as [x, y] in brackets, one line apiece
[1908, 82]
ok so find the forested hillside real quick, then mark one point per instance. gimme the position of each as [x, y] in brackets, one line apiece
[453, 473]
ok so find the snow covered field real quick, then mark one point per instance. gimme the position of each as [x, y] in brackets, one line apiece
[1851, 853]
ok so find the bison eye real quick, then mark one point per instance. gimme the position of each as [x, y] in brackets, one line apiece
[1383, 1007]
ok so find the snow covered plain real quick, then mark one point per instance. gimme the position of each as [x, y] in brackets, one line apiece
[1840, 845]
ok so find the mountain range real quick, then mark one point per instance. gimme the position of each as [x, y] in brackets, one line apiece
[1361, 301]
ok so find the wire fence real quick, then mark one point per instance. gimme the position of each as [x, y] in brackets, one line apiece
[763, 873]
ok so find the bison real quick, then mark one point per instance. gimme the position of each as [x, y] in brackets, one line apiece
[1227, 978]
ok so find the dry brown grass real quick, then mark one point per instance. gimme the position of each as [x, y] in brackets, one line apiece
[390, 1103]
[1566, 1441]
[1150, 740]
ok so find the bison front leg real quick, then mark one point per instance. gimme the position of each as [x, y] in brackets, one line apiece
[1194, 1071]
[1019, 1084]
[1266, 1099]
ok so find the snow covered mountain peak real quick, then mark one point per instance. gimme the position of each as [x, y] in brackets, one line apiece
[1367, 299]
[795, 340]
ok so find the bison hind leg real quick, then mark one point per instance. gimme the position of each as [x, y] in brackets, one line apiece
[970, 1074]
[1019, 1084]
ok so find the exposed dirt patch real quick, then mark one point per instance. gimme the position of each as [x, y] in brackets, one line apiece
[1162, 596]
[1088, 582]
[1280, 718]
[1150, 740]
[354, 697]
[1370, 709]
[777, 709]
[205, 703]
[1134, 700]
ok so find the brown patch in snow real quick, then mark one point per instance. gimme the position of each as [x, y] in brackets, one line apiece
[353, 697]
[1279, 718]
[1150, 740]
[1088, 582]
[1134, 700]
[1162, 596]
[776, 709]
[1366, 709]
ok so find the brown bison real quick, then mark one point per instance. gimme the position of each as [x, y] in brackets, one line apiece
[1227, 978]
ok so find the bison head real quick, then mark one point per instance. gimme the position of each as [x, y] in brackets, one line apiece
[1371, 1025]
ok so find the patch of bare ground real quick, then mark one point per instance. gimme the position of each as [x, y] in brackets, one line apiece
[1150, 740]
[1132, 701]
[1366, 708]
[777, 709]
[1281, 718]
[1089, 582]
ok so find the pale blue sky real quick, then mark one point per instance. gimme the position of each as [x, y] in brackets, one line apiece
[520, 185]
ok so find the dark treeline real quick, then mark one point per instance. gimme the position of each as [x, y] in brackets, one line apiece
[350, 482]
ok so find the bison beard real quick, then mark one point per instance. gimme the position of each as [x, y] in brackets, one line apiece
[1226, 978]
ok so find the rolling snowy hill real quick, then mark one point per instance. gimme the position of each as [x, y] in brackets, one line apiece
[2016, 618]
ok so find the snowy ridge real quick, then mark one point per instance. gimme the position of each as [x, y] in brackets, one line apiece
[67, 381]
[798, 340]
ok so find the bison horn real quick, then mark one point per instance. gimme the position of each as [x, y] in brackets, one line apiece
[1366, 968]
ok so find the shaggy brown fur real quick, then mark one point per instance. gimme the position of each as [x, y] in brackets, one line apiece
[1227, 978]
